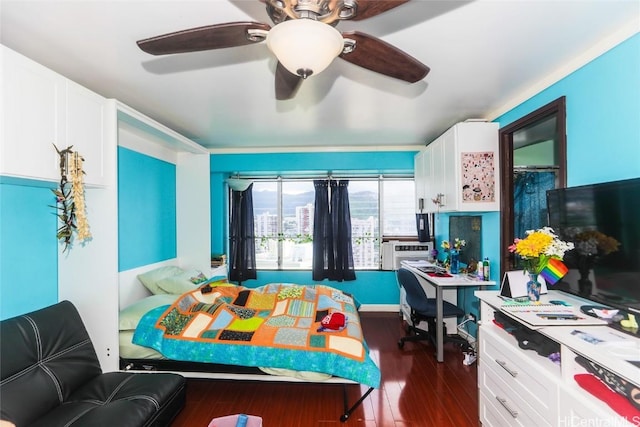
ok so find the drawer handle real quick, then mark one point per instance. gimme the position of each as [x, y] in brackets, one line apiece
[504, 404]
[503, 365]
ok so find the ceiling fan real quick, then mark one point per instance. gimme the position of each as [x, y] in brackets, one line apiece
[303, 39]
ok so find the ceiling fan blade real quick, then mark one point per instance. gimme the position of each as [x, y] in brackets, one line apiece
[370, 8]
[203, 38]
[376, 55]
[287, 83]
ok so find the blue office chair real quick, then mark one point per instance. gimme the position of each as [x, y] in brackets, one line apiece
[424, 309]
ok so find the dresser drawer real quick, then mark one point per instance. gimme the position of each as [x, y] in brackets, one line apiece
[502, 406]
[577, 408]
[530, 376]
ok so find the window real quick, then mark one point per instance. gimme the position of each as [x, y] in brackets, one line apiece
[398, 203]
[283, 215]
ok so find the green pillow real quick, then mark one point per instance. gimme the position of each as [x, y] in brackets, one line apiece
[150, 278]
[178, 284]
[130, 316]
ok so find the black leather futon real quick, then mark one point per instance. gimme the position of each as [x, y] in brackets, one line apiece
[51, 376]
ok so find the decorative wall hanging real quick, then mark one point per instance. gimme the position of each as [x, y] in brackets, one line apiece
[70, 203]
[478, 177]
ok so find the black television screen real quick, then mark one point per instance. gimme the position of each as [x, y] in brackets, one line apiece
[603, 222]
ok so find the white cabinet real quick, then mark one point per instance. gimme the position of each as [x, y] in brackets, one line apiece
[460, 169]
[41, 108]
[85, 130]
[519, 387]
[510, 388]
[32, 98]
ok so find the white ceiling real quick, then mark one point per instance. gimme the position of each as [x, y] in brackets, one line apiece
[485, 57]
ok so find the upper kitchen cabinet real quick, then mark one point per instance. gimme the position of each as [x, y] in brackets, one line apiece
[85, 130]
[463, 172]
[42, 108]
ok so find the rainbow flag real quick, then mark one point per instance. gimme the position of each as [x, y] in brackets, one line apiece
[554, 271]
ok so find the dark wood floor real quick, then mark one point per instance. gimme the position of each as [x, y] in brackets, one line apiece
[415, 390]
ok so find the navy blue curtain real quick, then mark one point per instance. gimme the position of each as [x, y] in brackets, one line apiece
[242, 243]
[530, 200]
[332, 247]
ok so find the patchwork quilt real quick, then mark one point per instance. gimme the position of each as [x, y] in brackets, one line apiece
[274, 326]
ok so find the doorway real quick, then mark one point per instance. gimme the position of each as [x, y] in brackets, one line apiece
[533, 159]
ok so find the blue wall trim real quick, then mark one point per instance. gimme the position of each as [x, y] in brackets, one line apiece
[146, 209]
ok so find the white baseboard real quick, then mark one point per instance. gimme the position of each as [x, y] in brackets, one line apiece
[386, 308]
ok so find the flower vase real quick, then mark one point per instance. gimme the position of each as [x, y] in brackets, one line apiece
[533, 288]
[455, 261]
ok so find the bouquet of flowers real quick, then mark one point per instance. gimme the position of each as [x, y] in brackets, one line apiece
[538, 248]
[457, 244]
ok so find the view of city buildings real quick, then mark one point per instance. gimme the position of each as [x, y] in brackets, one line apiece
[296, 241]
[292, 238]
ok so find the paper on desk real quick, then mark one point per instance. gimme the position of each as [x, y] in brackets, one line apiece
[541, 315]
[418, 263]
[611, 342]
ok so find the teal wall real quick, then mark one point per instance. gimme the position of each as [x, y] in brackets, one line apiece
[490, 248]
[28, 247]
[146, 210]
[603, 115]
[371, 287]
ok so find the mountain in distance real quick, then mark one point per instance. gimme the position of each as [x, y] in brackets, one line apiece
[363, 204]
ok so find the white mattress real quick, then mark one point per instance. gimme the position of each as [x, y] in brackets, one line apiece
[128, 350]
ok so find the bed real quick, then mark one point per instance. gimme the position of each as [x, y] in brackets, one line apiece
[290, 331]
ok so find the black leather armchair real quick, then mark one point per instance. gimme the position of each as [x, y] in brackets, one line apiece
[50, 376]
[424, 309]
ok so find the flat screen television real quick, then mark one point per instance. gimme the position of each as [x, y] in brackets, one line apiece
[603, 222]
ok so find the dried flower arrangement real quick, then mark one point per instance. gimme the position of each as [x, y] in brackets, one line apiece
[70, 203]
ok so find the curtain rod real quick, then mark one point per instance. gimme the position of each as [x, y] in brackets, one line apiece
[329, 176]
[535, 168]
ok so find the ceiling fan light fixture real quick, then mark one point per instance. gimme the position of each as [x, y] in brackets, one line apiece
[305, 46]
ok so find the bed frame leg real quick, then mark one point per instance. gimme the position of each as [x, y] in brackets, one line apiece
[347, 410]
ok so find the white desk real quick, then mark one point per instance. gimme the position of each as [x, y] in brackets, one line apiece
[440, 283]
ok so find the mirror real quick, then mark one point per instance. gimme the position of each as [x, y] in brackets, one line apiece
[533, 159]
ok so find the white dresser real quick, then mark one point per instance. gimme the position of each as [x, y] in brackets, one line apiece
[519, 387]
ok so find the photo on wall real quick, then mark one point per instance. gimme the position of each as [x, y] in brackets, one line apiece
[478, 177]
